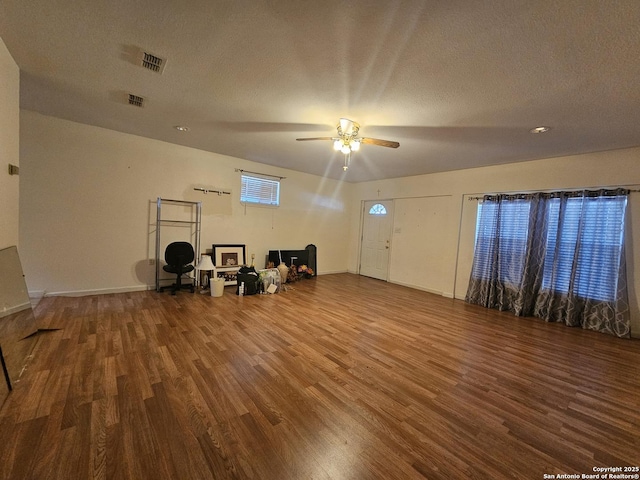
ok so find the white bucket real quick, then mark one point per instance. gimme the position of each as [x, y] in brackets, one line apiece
[217, 287]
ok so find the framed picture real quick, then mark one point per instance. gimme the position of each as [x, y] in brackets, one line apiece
[230, 274]
[228, 255]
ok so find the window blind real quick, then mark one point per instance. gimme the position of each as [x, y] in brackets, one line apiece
[501, 232]
[582, 249]
[258, 190]
[588, 231]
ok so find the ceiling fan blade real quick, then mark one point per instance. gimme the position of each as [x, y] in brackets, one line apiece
[380, 143]
[314, 138]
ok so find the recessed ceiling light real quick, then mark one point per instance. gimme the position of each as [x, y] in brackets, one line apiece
[541, 129]
[180, 128]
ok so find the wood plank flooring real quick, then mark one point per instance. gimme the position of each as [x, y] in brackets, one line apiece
[342, 377]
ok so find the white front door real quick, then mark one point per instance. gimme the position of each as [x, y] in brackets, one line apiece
[376, 239]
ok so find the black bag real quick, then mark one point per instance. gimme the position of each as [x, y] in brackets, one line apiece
[249, 277]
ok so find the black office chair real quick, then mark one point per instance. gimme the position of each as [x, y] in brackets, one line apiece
[179, 257]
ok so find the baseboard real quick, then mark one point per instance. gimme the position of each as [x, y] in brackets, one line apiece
[424, 289]
[36, 294]
[99, 291]
[15, 309]
[331, 272]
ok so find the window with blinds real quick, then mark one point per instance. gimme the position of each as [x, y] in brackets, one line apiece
[590, 233]
[260, 190]
[582, 249]
[511, 221]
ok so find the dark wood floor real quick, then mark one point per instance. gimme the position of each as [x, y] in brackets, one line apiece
[343, 377]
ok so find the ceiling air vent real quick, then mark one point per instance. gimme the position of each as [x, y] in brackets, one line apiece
[136, 101]
[152, 62]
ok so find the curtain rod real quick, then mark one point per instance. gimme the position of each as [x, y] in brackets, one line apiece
[206, 190]
[258, 173]
[549, 191]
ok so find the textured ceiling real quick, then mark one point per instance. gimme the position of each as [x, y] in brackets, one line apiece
[458, 83]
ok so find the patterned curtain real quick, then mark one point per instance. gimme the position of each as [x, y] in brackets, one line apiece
[558, 256]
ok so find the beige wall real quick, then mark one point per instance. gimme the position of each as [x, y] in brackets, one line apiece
[88, 207]
[9, 147]
[439, 232]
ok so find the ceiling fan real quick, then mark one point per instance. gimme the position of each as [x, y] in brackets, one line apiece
[348, 140]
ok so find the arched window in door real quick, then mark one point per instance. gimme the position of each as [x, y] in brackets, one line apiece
[377, 209]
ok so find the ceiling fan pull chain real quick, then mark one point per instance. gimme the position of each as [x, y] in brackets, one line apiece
[347, 160]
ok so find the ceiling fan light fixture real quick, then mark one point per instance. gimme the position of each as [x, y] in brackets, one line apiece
[348, 140]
